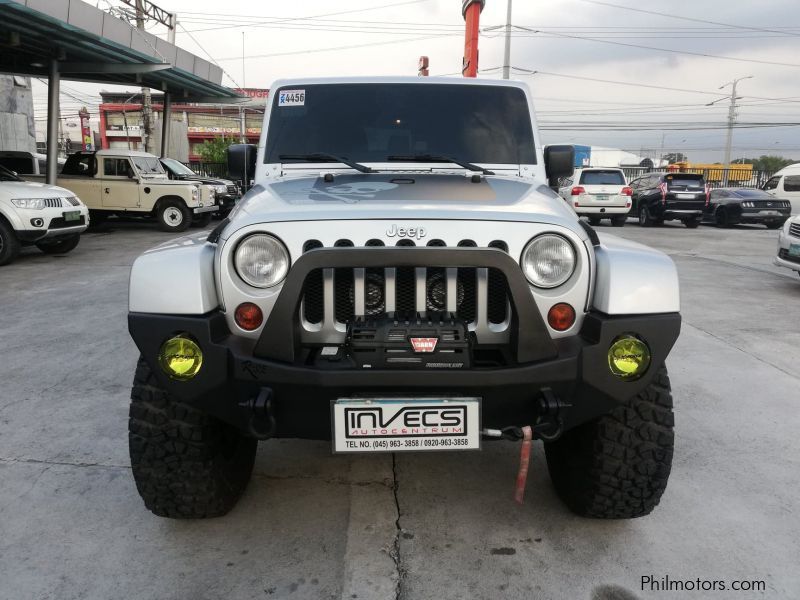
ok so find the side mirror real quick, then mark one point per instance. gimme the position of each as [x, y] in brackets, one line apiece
[242, 163]
[559, 161]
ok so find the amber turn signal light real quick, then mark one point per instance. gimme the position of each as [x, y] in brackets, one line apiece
[561, 316]
[248, 316]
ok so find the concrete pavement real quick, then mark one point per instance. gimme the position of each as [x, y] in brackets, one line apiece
[420, 526]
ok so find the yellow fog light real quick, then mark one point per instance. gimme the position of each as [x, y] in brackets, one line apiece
[628, 357]
[180, 357]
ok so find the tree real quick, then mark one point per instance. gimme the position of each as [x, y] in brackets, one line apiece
[770, 164]
[215, 150]
[674, 157]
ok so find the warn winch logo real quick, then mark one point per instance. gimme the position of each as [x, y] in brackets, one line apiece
[420, 344]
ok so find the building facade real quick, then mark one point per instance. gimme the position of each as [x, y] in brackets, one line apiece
[121, 125]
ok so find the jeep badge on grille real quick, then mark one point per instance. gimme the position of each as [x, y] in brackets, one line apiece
[427, 344]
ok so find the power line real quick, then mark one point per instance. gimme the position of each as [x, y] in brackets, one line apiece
[655, 48]
[531, 72]
[694, 19]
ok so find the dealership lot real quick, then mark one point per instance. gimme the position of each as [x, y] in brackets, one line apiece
[439, 525]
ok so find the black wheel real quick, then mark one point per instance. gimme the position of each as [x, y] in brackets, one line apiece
[617, 467]
[721, 218]
[97, 217]
[619, 221]
[201, 220]
[594, 221]
[774, 225]
[645, 220]
[174, 216]
[692, 223]
[9, 244]
[186, 464]
[59, 245]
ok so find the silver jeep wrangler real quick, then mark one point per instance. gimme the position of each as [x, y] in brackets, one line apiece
[402, 278]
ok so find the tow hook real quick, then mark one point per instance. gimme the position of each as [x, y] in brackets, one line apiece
[549, 426]
[261, 424]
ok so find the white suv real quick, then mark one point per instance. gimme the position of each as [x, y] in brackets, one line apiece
[789, 245]
[47, 216]
[598, 193]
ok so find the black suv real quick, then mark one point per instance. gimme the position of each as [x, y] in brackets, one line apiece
[660, 197]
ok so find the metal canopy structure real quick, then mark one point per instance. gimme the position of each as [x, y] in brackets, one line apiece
[74, 40]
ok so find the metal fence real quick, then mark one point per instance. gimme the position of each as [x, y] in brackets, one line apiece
[733, 177]
[209, 169]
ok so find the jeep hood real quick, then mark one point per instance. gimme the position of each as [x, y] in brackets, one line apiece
[408, 195]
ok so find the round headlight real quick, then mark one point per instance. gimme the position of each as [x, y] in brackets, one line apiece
[548, 260]
[261, 260]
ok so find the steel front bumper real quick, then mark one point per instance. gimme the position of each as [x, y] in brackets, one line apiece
[578, 375]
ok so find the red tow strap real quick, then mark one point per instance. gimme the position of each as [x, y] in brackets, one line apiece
[524, 464]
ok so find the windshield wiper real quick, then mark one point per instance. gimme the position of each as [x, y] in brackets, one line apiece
[325, 157]
[438, 158]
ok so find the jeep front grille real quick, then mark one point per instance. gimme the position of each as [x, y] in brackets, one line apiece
[335, 296]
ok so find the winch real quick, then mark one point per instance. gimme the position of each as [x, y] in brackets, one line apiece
[413, 341]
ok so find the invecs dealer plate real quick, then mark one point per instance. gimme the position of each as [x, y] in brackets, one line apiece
[402, 424]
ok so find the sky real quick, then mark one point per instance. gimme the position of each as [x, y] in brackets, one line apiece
[592, 80]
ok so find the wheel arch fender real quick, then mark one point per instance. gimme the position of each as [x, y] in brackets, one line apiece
[176, 277]
[166, 198]
[634, 279]
[12, 219]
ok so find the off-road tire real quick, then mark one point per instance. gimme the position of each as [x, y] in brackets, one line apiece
[619, 221]
[9, 244]
[173, 216]
[201, 220]
[59, 246]
[617, 466]
[186, 464]
[594, 221]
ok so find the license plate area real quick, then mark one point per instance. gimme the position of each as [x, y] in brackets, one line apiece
[794, 250]
[686, 196]
[72, 215]
[405, 424]
[602, 197]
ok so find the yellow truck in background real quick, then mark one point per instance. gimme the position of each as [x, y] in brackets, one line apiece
[715, 173]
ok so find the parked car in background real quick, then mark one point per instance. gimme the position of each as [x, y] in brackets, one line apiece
[789, 245]
[730, 206]
[227, 191]
[785, 184]
[598, 193]
[47, 216]
[26, 163]
[128, 182]
[659, 197]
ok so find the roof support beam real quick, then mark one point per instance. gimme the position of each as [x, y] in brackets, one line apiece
[126, 68]
[53, 114]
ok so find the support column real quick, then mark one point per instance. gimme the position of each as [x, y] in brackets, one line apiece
[53, 116]
[166, 123]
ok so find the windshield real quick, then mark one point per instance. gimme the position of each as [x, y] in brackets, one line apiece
[6, 175]
[371, 122]
[602, 178]
[177, 167]
[147, 165]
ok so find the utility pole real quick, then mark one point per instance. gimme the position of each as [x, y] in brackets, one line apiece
[147, 105]
[507, 52]
[731, 122]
